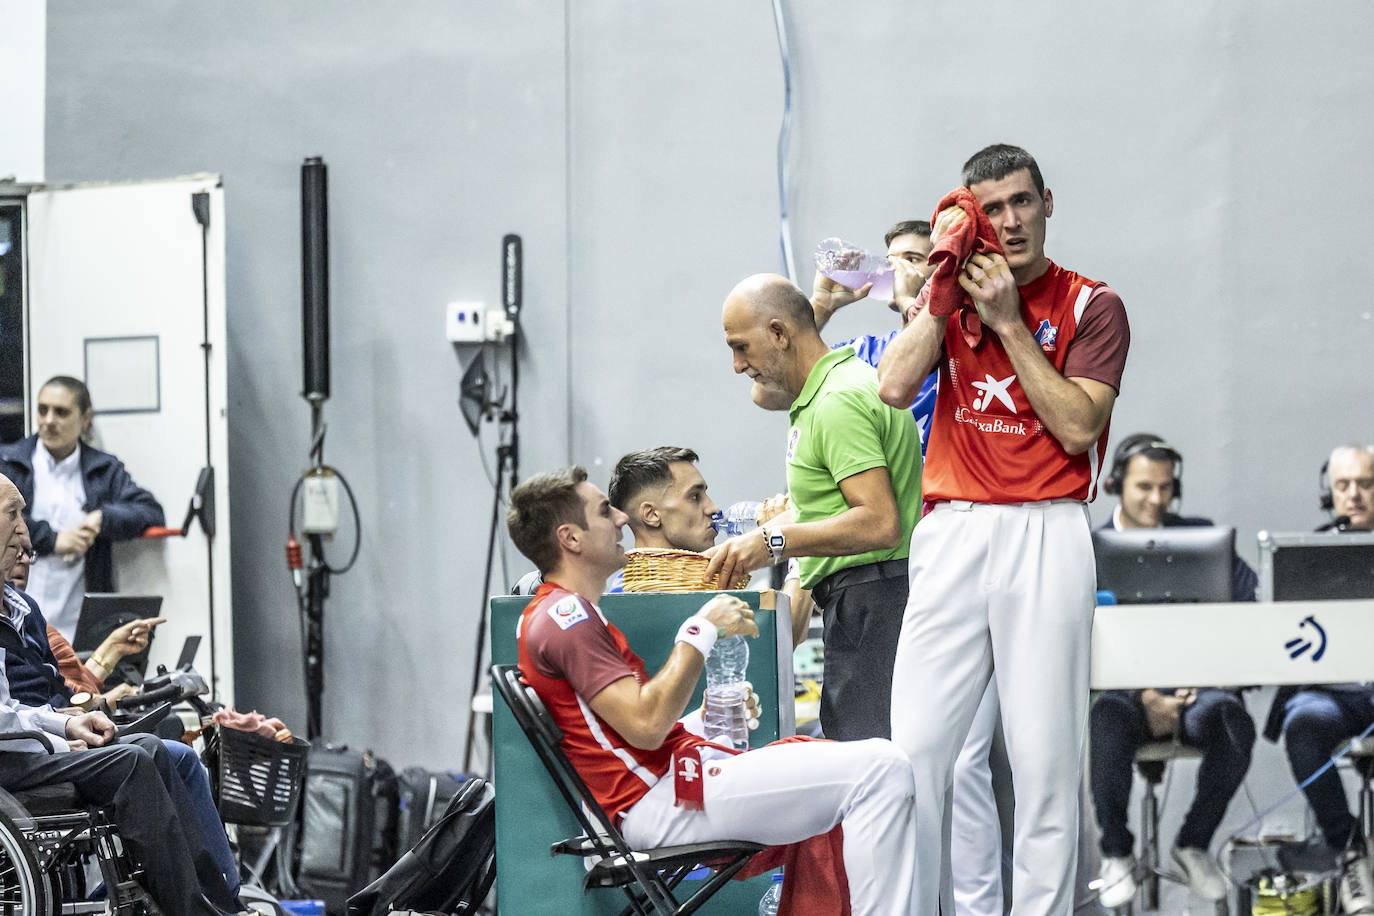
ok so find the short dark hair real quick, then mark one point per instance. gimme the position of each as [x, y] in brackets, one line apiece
[76, 387]
[908, 227]
[640, 470]
[993, 163]
[538, 506]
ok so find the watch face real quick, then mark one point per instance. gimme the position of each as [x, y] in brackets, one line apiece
[777, 542]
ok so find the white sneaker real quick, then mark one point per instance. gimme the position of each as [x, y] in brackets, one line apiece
[1357, 884]
[1200, 872]
[1116, 881]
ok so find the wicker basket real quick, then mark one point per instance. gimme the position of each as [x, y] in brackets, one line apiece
[259, 779]
[656, 569]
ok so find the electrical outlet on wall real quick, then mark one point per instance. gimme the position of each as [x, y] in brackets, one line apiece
[465, 322]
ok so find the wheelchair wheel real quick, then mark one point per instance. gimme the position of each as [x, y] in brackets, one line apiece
[24, 890]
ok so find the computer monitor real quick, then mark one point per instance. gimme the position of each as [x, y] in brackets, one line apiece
[1316, 567]
[1165, 565]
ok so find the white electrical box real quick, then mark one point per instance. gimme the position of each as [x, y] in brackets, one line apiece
[320, 502]
[465, 322]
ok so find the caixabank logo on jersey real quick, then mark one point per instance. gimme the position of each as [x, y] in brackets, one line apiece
[992, 391]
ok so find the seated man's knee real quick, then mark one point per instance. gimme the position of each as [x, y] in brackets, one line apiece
[1226, 722]
[151, 745]
[889, 765]
[1311, 716]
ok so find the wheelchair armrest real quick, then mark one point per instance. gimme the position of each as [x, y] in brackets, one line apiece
[42, 738]
[144, 723]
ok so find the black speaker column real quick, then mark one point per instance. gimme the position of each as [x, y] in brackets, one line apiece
[315, 278]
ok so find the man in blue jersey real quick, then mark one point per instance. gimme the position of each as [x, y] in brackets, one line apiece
[908, 248]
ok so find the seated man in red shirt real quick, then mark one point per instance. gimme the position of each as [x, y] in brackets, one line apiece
[621, 729]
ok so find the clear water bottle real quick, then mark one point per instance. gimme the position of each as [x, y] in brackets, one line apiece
[725, 718]
[738, 519]
[768, 904]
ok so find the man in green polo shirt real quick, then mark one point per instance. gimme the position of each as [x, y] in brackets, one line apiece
[854, 473]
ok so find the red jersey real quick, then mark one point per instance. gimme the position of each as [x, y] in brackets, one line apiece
[569, 652]
[986, 443]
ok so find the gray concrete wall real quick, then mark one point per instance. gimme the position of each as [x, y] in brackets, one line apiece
[1207, 160]
[443, 128]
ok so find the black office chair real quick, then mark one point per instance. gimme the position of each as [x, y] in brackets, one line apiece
[649, 877]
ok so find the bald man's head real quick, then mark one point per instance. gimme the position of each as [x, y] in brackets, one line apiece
[771, 330]
[1350, 470]
[13, 533]
[775, 296]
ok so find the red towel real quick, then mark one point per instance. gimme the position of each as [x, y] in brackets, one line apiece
[815, 883]
[942, 293]
[253, 722]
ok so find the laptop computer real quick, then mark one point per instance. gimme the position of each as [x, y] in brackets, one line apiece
[188, 652]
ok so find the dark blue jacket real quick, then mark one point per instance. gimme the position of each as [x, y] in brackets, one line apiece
[128, 508]
[30, 665]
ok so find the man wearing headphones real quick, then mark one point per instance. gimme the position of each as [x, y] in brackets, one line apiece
[1348, 488]
[1315, 720]
[1145, 476]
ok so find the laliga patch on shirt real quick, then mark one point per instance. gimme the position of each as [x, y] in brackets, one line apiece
[793, 437]
[568, 612]
[1046, 335]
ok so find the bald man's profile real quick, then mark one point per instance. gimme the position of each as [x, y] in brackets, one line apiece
[854, 478]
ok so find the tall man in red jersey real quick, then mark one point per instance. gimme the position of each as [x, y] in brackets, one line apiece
[621, 730]
[1002, 578]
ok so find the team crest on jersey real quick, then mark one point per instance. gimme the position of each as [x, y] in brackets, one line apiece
[793, 437]
[568, 612]
[1045, 335]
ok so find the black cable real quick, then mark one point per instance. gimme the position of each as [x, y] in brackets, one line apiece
[357, 529]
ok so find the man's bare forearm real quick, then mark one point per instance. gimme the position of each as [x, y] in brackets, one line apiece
[854, 531]
[1065, 408]
[909, 358]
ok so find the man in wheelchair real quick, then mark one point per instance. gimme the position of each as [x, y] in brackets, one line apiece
[138, 782]
[621, 729]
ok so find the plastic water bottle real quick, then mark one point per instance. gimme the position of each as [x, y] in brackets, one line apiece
[738, 519]
[725, 717]
[768, 904]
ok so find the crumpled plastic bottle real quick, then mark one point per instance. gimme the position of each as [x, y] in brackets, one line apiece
[852, 266]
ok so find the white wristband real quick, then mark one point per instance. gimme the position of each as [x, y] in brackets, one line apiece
[698, 633]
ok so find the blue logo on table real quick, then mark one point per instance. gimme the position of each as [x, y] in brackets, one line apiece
[1301, 643]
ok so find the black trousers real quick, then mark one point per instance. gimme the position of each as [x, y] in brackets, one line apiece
[1217, 724]
[133, 780]
[862, 609]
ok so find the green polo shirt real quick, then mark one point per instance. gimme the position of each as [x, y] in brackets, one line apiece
[839, 428]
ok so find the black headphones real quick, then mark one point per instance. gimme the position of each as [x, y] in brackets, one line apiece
[1324, 497]
[1139, 444]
